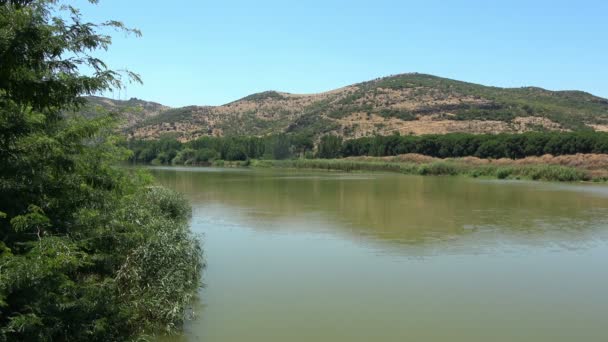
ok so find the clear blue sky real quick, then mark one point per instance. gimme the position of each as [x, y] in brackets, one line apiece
[212, 52]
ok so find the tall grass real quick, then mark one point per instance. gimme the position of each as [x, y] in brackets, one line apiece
[436, 168]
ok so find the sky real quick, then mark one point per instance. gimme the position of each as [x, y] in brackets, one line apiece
[213, 52]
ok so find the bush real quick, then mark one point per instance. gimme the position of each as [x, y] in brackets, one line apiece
[554, 173]
[438, 168]
[503, 173]
[161, 274]
[451, 168]
[184, 157]
[206, 155]
[454, 145]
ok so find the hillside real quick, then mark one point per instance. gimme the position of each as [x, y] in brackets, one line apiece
[133, 111]
[408, 103]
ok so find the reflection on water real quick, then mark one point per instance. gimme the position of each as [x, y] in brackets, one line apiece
[403, 209]
[324, 256]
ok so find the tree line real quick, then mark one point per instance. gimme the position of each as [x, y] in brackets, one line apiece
[456, 145]
[204, 150]
[289, 146]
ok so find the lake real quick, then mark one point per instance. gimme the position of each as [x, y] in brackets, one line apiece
[324, 256]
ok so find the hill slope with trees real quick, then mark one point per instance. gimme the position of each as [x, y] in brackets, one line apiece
[410, 104]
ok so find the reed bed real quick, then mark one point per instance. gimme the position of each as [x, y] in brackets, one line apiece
[547, 168]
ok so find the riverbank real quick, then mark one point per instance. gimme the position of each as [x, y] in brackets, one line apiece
[570, 168]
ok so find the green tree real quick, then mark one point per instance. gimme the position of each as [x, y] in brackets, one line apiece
[330, 146]
[185, 157]
[206, 155]
[281, 147]
[88, 251]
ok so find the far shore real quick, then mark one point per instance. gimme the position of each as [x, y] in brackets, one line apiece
[567, 168]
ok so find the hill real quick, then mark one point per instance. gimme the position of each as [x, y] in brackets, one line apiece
[133, 110]
[408, 103]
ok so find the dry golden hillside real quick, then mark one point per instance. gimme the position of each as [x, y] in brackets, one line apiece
[408, 104]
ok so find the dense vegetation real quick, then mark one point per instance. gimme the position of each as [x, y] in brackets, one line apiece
[439, 168]
[512, 146]
[206, 150]
[88, 251]
[287, 146]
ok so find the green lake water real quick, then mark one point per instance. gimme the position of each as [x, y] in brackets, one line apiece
[323, 256]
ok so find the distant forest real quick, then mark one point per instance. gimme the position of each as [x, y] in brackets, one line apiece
[207, 150]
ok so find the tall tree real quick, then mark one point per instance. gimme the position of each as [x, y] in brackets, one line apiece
[330, 146]
[87, 250]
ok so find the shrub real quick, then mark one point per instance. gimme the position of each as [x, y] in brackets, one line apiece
[184, 157]
[503, 173]
[159, 277]
[206, 155]
[438, 168]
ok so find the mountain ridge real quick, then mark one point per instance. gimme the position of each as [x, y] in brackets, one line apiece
[410, 103]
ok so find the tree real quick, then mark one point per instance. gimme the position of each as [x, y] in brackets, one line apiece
[330, 146]
[302, 144]
[281, 147]
[184, 157]
[87, 250]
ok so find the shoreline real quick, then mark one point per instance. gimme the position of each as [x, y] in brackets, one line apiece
[574, 168]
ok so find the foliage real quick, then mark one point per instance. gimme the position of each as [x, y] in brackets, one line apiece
[159, 274]
[205, 150]
[330, 146]
[454, 145]
[311, 123]
[263, 96]
[443, 168]
[185, 157]
[399, 114]
[88, 251]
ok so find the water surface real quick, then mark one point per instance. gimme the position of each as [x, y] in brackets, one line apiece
[323, 256]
